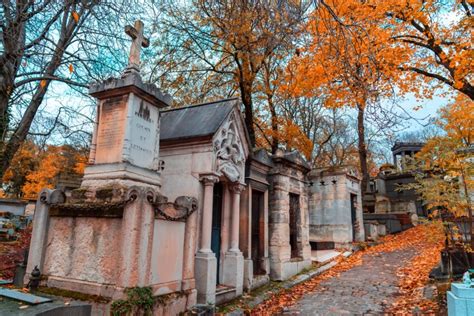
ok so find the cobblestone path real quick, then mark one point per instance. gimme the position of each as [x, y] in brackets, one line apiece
[366, 289]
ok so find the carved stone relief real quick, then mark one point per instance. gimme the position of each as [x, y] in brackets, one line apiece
[229, 151]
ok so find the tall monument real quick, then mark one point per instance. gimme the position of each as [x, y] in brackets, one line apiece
[125, 142]
[117, 231]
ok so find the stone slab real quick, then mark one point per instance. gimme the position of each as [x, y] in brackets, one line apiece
[57, 307]
[80, 310]
[323, 256]
[167, 254]
[462, 291]
[459, 306]
[24, 297]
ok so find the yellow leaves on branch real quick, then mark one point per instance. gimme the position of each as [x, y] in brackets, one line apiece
[457, 119]
[75, 16]
[375, 45]
[443, 171]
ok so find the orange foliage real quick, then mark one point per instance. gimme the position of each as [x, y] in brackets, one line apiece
[350, 66]
[288, 134]
[443, 173]
[428, 237]
[457, 120]
[45, 175]
[374, 45]
[33, 169]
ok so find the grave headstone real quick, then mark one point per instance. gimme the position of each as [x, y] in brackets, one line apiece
[125, 143]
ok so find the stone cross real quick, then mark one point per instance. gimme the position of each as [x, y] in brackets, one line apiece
[138, 41]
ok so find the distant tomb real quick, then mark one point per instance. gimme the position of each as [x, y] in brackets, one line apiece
[335, 210]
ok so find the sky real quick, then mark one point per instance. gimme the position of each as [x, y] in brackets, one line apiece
[60, 95]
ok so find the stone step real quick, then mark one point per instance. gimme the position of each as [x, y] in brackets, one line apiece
[224, 294]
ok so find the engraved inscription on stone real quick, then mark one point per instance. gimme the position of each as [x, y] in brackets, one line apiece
[145, 133]
[111, 130]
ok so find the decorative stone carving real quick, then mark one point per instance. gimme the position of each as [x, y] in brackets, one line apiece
[238, 188]
[209, 179]
[180, 210]
[229, 152]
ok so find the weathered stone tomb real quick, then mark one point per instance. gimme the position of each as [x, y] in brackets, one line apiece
[335, 208]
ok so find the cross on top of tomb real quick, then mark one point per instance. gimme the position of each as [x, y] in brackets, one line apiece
[138, 41]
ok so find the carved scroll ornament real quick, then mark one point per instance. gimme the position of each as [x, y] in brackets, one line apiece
[229, 152]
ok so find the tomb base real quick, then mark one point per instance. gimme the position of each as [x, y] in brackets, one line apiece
[124, 173]
[251, 280]
[460, 300]
[206, 274]
[281, 271]
[172, 304]
[234, 271]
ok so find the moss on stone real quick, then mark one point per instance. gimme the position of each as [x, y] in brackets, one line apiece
[79, 193]
[74, 295]
[105, 193]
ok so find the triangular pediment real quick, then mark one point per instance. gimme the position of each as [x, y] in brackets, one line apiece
[231, 147]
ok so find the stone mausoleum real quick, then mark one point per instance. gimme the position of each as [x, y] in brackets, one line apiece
[335, 208]
[173, 199]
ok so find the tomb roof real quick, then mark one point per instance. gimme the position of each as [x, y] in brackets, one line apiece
[293, 157]
[196, 120]
[399, 147]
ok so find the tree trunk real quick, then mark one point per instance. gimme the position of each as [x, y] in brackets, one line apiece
[362, 148]
[273, 114]
[14, 41]
[246, 94]
[19, 136]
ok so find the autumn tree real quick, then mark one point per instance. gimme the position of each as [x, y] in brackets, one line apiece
[441, 35]
[23, 163]
[34, 168]
[443, 169]
[223, 45]
[349, 62]
[44, 43]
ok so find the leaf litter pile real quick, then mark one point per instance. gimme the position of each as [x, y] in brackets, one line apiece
[428, 239]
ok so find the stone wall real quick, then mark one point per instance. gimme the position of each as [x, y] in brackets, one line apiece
[330, 208]
[287, 176]
[84, 249]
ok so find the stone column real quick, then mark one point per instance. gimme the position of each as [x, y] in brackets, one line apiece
[266, 234]
[206, 228]
[206, 263]
[128, 276]
[39, 234]
[234, 238]
[234, 261]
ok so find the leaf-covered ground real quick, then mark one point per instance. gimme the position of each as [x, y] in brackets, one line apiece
[388, 277]
[12, 252]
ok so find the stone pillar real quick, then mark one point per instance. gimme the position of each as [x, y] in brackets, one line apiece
[137, 239]
[266, 225]
[225, 227]
[234, 239]
[39, 234]
[206, 263]
[206, 228]
[234, 261]
[190, 235]
[226, 219]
